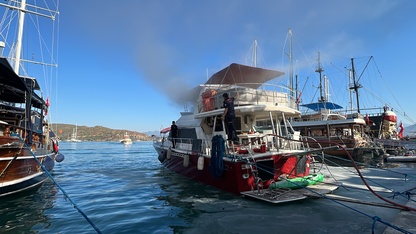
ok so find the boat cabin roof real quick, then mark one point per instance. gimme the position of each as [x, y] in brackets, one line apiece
[317, 106]
[13, 87]
[246, 76]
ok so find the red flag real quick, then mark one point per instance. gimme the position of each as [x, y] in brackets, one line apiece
[401, 130]
[47, 106]
[367, 120]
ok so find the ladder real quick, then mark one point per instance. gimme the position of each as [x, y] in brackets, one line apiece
[254, 171]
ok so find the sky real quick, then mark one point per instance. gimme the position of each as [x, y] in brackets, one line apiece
[123, 64]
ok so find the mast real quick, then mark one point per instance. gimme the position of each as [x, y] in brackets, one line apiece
[255, 53]
[355, 84]
[320, 69]
[292, 93]
[22, 13]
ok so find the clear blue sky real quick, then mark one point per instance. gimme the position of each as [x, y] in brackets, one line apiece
[122, 63]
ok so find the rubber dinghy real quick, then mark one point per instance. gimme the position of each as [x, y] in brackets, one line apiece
[299, 182]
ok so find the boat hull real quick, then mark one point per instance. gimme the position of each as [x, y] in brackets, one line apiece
[237, 176]
[20, 167]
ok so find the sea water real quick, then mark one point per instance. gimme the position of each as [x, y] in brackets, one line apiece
[124, 189]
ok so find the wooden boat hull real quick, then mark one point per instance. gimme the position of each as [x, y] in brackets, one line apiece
[19, 169]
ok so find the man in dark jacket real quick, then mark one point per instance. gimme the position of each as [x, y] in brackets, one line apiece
[229, 116]
[173, 133]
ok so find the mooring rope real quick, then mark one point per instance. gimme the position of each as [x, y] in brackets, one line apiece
[405, 194]
[374, 218]
[60, 188]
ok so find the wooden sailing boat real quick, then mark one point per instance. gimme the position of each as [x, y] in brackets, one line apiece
[28, 147]
[326, 127]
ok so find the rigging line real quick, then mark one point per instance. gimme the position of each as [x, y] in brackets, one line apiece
[381, 76]
[59, 186]
[365, 67]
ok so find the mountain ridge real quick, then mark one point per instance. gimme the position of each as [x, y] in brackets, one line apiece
[96, 133]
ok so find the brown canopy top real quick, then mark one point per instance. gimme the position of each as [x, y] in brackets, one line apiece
[242, 75]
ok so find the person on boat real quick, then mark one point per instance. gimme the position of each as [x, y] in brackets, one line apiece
[229, 116]
[173, 133]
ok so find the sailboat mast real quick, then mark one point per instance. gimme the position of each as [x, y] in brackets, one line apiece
[291, 86]
[320, 70]
[22, 13]
[355, 86]
[255, 53]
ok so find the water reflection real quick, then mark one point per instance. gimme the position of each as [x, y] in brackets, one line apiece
[19, 213]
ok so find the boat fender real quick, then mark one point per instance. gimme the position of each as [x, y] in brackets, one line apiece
[263, 147]
[200, 164]
[162, 156]
[48, 163]
[59, 157]
[168, 153]
[186, 160]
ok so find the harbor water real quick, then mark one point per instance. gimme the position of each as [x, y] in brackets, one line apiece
[124, 189]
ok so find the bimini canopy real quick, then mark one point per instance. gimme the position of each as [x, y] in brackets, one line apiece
[13, 87]
[317, 106]
[165, 130]
[241, 75]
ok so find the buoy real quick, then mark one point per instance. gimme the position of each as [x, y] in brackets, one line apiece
[59, 157]
[162, 156]
[186, 160]
[200, 164]
[168, 154]
[48, 163]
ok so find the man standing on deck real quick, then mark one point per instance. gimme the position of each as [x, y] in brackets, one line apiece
[229, 116]
[173, 133]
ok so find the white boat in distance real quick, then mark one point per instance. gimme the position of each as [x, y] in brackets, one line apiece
[74, 135]
[126, 139]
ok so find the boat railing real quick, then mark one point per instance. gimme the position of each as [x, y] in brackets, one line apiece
[188, 144]
[267, 94]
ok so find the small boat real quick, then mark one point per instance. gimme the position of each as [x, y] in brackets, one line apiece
[401, 158]
[28, 146]
[408, 157]
[74, 135]
[267, 150]
[126, 139]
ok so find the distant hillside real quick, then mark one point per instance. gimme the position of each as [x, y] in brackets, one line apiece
[97, 133]
[410, 130]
